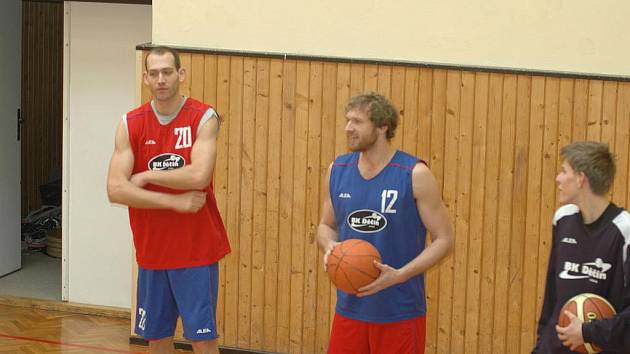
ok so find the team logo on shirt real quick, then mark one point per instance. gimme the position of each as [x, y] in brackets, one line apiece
[166, 161]
[593, 271]
[366, 221]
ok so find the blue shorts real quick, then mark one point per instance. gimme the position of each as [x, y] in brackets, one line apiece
[163, 295]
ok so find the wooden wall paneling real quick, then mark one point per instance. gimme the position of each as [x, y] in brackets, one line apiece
[565, 112]
[329, 108]
[397, 98]
[219, 77]
[247, 202]
[286, 207]
[519, 209]
[504, 219]
[384, 80]
[298, 232]
[580, 109]
[196, 76]
[357, 79]
[186, 61]
[273, 204]
[423, 151]
[594, 111]
[476, 238]
[621, 145]
[450, 177]
[370, 76]
[609, 102]
[232, 217]
[489, 237]
[260, 162]
[312, 263]
[410, 111]
[532, 213]
[437, 166]
[464, 113]
[548, 187]
[343, 95]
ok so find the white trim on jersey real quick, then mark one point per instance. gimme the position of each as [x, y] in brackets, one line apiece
[210, 113]
[124, 119]
[623, 224]
[563, 211]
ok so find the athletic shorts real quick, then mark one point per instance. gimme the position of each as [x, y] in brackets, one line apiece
[359, 337]
[190, 293]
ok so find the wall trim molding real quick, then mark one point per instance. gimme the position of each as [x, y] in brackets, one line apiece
[488, 69]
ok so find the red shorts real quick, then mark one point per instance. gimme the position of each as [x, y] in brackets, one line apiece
[352, 336]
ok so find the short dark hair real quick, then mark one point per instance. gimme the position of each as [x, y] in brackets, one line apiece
[161, 50]
[380, 110]
[594, 160]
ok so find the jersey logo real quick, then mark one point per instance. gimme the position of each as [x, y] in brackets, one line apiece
[366, 221]
[204, 330]
[345, 195]
[184, 137]
[594, 271]
[150, 142]
[166, 161]
[570, 240]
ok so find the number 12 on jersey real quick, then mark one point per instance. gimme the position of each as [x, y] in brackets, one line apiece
[388, 199]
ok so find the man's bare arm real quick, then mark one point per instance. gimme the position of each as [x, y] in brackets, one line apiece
[121, 191]
[198, 174]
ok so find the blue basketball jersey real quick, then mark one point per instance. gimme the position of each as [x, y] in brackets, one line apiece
[382, 211]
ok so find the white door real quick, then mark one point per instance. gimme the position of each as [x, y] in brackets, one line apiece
[10, 86]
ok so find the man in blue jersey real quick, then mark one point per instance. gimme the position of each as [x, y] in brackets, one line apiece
[387, 315]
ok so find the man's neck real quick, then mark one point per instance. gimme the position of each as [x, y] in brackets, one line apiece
[377, 156]
[592, 207]
[168, 107]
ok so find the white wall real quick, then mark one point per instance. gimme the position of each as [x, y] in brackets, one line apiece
[559, 35]
[102, 81]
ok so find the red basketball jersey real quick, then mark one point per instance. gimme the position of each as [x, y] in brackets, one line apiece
[166, 239]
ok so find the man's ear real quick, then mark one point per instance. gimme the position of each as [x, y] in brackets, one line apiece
[382, 129]
[145, 78]
[182, 74]
[583, 179]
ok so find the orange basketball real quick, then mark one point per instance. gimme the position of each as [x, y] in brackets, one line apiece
[586, 307]
[351, 266]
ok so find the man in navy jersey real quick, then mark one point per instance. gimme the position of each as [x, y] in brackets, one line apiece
[589, 250]
[390, 199]
[162, 168]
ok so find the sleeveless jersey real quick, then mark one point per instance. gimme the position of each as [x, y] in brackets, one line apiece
[382, 211]
[164, 238]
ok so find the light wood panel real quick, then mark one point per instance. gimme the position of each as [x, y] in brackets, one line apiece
[491, 140]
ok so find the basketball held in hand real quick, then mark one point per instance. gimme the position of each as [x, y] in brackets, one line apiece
[351, 265]
[587, 307]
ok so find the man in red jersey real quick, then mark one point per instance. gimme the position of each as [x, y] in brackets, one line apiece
[162, 167]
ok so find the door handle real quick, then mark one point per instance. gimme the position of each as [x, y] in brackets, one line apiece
[19, 123]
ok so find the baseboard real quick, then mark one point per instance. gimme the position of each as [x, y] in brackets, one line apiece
[135, 340]
[63, 306]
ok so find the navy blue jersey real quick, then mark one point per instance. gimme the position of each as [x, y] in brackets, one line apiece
[584, 258]
[382, 211]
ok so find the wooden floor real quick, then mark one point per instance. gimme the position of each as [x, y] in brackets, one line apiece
[27, 330]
